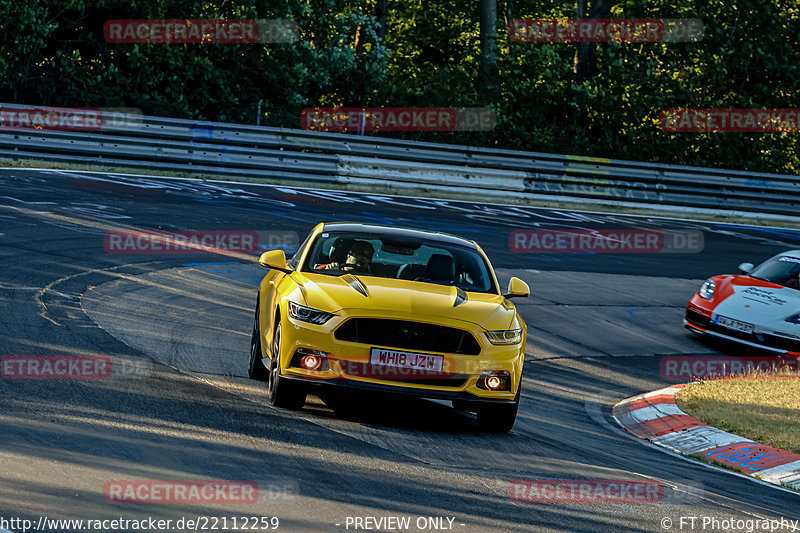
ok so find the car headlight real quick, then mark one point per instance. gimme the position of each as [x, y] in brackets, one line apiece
[504, 336]
[707, 289]
[307, 314]
[794, 319]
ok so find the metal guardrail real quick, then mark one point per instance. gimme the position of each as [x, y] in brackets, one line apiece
[223, 149]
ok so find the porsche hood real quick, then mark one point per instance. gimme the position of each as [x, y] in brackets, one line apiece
[759, 303]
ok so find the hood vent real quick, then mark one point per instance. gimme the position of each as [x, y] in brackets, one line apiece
[356, 284]
[461, 297]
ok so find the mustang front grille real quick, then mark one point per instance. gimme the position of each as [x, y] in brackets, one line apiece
[407, 335]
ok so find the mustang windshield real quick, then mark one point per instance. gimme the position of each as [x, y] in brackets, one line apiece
[363, 254]
[783, 270]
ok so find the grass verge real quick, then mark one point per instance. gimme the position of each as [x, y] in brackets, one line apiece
[763, 408]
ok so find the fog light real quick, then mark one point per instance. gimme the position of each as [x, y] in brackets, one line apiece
[309, 362]
[495, 380]
[308, 359]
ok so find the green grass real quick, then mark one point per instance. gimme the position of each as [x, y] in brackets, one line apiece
[763, 408]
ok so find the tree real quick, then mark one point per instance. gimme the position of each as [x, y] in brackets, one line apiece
[488, 54]
[586, 53]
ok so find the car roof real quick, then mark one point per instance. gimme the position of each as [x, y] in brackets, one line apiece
[395, 231]
[794, 253]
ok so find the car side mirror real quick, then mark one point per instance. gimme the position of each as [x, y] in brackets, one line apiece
[274, 259]
[746, 268]
[517, 289]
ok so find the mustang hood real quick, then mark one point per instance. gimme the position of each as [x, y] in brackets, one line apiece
[408, 298]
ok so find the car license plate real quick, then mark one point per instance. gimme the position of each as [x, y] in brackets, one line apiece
[399, 359]
[734, 324]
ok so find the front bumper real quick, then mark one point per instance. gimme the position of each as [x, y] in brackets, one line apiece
[698, 320]
[350, 368]
[463, 396]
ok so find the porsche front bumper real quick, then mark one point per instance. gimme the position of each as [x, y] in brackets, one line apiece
[698, 320]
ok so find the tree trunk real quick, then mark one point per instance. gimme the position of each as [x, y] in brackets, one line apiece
[381, 10]
[585, 63]
[488, 36]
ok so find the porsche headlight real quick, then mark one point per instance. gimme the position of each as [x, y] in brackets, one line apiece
[504, 336]
[307, 314]
[707, 289]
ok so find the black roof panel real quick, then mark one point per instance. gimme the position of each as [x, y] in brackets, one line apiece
[357, 227]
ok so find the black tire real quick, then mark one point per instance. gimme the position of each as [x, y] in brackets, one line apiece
[282, 392]
[499, 418]
[257, 369]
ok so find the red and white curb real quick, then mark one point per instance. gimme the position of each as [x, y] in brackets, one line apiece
[655, 416]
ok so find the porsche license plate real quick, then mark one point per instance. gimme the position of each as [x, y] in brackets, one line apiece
[411, 360]
[735, 325]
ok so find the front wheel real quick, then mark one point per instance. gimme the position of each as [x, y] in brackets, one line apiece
[499, 418]
[282, 392]
[257, 369]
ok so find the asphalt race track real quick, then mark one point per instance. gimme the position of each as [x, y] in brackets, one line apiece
[599, 326]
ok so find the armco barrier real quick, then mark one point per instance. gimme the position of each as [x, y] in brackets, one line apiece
[236, 150]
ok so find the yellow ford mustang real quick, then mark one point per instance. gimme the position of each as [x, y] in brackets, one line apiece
[389, 309]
